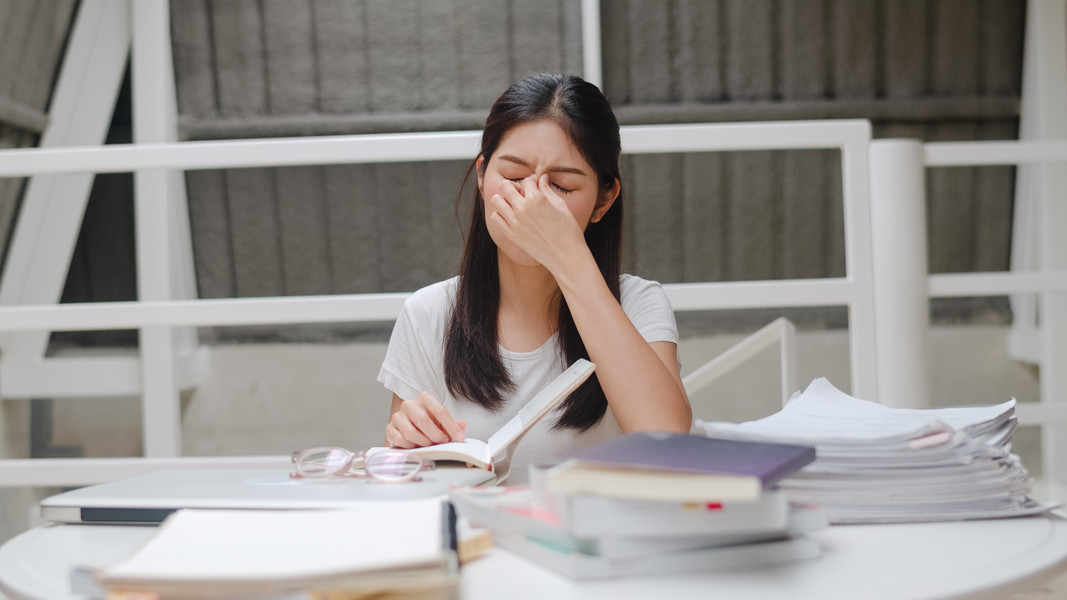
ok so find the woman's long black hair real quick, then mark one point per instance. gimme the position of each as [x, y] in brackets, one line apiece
[474, 369]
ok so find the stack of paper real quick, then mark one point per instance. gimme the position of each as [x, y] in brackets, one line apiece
[877, 464]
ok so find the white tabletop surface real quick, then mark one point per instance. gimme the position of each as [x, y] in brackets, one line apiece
[974, 560]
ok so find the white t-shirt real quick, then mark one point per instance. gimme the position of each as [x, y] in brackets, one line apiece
[414, 363]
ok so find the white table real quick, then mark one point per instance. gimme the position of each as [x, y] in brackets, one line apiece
[974, 560]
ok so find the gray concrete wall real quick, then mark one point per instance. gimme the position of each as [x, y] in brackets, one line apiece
[939, 70]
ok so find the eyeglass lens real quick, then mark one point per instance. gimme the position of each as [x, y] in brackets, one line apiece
[394, 466]
[320, 461]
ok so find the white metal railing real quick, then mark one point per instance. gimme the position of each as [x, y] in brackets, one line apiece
[592, 61]
[1050, 283]
[970, 154]
[50, 215]
[156, 163]
[780, 331]
[51, 472]
[854, 290]
[904, 287]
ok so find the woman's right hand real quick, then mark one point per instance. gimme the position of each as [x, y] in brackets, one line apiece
[423, 421]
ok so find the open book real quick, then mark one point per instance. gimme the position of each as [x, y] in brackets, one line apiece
[480, 454]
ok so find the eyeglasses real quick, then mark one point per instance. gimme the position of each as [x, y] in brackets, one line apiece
[390, 466]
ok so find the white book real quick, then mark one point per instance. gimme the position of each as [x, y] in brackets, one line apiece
[579, 565]
[801, 520]
[623, 528]
[379, 547]
[480, 454]
[589, 515]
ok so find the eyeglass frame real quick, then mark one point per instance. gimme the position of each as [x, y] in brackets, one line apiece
[349, 468]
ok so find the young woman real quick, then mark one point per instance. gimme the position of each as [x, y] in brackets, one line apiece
[539, 286]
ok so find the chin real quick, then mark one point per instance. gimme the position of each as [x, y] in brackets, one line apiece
[516, 256]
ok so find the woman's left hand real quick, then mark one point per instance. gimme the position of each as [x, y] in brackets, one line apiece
[537, 220]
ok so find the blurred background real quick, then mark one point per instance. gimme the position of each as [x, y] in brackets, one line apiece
[932, 70]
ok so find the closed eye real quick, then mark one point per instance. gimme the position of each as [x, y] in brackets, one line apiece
[555, 185]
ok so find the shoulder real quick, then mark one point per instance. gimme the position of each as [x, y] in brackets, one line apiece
[434, 295]
[442, 291]
[632, 285]
[431, 302]
[646, 303]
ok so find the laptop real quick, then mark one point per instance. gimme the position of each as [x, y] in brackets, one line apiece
[150, 497]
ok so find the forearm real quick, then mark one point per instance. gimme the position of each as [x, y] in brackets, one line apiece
[642, 384]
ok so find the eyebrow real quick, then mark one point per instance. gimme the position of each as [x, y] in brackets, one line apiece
[519, 161]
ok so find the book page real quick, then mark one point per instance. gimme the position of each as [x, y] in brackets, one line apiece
[544, 401]
[476, 450]
[472, 450]
[824, 414]
[482, 453]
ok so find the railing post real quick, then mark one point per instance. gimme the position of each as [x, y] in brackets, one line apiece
[863, 346]
[1041, 117]
[1039, 326]
[898, 228]
[592, 62]
[1053, 314]
[787, 355]
[154, 121]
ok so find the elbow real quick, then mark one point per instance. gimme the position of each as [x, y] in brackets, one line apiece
[672, 426]
[683, 423]
[678, 420]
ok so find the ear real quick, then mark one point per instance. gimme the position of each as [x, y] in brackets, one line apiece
[479, 167]
[608, 196]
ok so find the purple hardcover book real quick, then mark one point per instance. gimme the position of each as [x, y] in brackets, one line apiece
[682, 453]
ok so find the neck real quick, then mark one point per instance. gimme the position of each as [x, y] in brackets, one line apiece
[529, 305]
[525, 288]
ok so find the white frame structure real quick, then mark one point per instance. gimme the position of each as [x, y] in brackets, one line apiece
[904, 286]
[1037, 281]
[160, 390]
[102, 37]
[780, 331]
[1042, 118]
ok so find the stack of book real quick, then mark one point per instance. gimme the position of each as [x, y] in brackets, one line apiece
[878, 464]
[651, 503]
